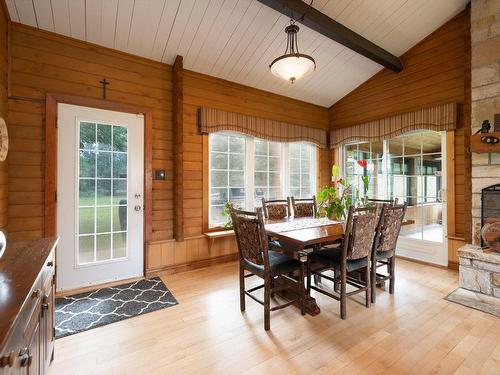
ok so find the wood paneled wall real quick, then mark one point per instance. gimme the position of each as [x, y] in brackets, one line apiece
[4, 37]
[44, 62]
[437, 70]
[202, 90]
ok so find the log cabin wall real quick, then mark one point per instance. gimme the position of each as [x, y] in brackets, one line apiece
[201, 90]
[437, 70]
[4, 29]
[45, 62]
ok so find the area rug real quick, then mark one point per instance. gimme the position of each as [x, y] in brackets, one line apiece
[85, 311]
[477, 301]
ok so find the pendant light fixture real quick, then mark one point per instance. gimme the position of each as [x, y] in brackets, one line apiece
[292, 65]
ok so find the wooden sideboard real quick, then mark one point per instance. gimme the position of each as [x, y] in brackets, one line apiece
[27, 278]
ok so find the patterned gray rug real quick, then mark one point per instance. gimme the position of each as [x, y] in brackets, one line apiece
[89, 310]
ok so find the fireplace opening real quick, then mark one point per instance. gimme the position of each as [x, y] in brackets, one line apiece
[490, 205]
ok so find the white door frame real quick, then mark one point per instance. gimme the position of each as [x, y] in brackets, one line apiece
[422, 250]
[50, 193]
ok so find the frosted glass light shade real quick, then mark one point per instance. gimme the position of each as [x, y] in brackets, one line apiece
[292, 67]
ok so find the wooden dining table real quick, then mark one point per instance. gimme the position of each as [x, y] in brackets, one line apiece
[298, 237]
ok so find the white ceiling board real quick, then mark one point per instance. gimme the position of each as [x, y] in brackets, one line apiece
[145, 23]
[77, 18]
[178, 29]
[123, 21]
[60, 12]
[108, 22]
[236, 40]
[26, 12]
[217, 40]
[44, 17]
[11, 7]
[168, 15]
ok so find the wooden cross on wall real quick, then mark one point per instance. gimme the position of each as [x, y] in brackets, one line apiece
[104, 83]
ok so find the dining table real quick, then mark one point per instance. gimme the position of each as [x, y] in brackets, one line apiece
[298, 237]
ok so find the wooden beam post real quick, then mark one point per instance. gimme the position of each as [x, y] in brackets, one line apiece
[330, 28]
[178, 102]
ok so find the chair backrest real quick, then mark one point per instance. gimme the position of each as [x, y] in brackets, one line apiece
[304, 207]
[360, 232]
[276, 209]
[382, 201]
[391, 222]
[251, 236]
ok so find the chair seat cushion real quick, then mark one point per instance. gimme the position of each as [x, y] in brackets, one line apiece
[331, 257]
[279, 263]
[382, 255]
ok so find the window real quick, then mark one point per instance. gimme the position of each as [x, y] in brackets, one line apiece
[407, 168]
[243, 170]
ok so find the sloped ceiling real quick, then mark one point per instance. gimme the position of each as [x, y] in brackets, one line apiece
[237, 39]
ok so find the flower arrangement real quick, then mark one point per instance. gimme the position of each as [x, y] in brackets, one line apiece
[334, 200]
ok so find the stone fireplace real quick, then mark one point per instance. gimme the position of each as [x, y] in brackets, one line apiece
[490, 205]
[485, 95]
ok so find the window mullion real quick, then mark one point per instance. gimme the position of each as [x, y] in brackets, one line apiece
[250, 173]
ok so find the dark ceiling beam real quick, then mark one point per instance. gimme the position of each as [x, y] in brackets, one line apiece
[330, 28]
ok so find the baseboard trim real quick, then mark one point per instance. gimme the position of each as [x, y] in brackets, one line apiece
[423, 262]
[90, 288]
[168, 270]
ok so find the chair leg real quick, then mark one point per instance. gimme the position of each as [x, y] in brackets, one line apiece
[267, 303]
[373, 285]
[308, 276]
[242, 289]
[343, 291]
[335, 277]
[317, 279]
[302, 291]
[392, 274]
[368, 286]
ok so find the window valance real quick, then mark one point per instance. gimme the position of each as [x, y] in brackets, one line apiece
[437, 118]
[215, 120]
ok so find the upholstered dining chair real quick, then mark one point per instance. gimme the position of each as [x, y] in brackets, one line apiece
[382, 201]
[304, 207]
[354, 254]
[384, 252]
[276, 209]
[256, 258]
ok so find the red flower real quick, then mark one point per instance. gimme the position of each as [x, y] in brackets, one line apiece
[362, 163]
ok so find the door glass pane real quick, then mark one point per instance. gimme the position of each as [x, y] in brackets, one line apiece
[102, 199]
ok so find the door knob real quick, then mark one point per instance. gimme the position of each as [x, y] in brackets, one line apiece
[137, 207]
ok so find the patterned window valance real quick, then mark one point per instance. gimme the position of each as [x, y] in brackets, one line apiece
[215, 120]
[438, 118]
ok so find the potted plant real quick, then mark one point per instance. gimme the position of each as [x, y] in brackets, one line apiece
[335, 199]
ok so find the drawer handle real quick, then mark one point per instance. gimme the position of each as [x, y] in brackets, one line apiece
[7, 359]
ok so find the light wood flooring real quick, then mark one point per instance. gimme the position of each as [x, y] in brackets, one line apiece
[415, 331]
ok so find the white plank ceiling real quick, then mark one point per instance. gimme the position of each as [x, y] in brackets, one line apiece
[237, 39]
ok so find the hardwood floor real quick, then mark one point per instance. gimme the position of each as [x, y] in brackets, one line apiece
[415, 331]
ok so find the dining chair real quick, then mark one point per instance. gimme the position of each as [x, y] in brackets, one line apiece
[354, 254]
[256, 258]
[384, 252]
[304, 207]
[382, 201]
[276, 209]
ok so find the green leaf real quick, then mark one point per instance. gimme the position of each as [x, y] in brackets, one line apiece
[335, 171]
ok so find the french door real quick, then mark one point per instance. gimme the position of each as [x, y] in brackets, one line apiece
[100, 189]
[412, 169]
